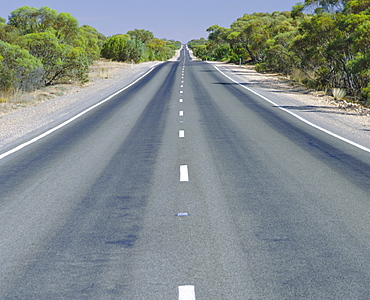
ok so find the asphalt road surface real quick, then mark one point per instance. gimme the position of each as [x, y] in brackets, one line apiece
[185, 186]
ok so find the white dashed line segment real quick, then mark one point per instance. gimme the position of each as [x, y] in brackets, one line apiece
[181, 133]
[184, 173]
[186, 292]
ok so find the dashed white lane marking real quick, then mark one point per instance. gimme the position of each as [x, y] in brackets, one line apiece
[181, 133]
[181, 113]
[46, 133]
[181, 92]
[186, 292]
[297, 116]
[181, 100]
[184, 173]
[182, 85]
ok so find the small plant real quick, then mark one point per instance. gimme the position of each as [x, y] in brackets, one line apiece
[338, 93]
[104, 73]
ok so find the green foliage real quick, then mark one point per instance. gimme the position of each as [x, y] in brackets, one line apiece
[330, 6]
[201, 51]
[114, 47]
[145, 36]
[134, 51]
[25, 19]
[201, 41]
[91, 41]
[160, 49]
[18, 68]
[357, 7]
[43, 47]
[176, 44]
[137, 46]
[60, 61]
[330, 49]
[54, 39]
[32, 20]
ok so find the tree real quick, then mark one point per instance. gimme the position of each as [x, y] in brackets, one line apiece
[114, 46]
[60, 61]
[160, 49]
[127, 47]
[32, 20]
[329, 6]
[201, 41]
[25, 19]
[19, 69]
[66, 27]
[90, 40]
[145, 36]
[251, 33]
[134, 51]
[357, 7]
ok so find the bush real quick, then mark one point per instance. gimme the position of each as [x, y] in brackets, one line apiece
[114, 46]
[60, 61]
[19, 69]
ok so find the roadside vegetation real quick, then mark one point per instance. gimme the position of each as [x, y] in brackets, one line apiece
[41, 47]
[324, 44]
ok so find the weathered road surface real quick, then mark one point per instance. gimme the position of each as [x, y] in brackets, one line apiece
[184, 186]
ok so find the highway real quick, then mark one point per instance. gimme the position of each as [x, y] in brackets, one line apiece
[185, 186]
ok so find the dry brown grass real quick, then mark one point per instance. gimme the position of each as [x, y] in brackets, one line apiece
[11, 100]
[104, 68]
[338, 93]
[301, 77]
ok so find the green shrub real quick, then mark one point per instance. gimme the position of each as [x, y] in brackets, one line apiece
[19, 69]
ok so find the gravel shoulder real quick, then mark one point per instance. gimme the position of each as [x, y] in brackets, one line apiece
[43, 109]
[348, 120]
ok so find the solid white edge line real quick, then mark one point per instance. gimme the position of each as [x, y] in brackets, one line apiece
[46, 133]
[297, 116]
[186, 292]
[184, 173]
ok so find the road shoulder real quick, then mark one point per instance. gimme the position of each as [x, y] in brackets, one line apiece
[33, 118]
[350, 122]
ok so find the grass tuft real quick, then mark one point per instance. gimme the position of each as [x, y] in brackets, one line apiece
[338, 93]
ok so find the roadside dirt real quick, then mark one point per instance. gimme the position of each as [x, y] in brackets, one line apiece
[28, 112]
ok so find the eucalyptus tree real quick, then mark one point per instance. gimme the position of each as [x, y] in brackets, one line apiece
[19, 69]
[64, 48]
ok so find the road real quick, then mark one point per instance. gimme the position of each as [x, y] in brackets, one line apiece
[185, 185]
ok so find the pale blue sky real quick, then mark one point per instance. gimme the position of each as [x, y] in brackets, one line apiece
[178, 20]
